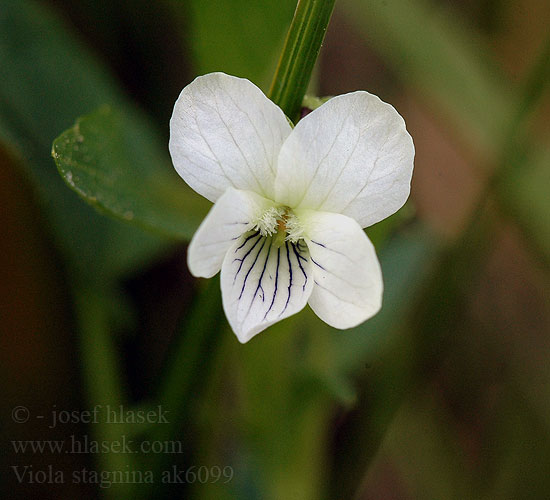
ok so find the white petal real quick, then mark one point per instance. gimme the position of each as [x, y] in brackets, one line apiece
[347, 276]
[352, 155]
[224, 132]
[232, 215]
[263, 283]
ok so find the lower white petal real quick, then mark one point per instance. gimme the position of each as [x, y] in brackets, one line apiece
[346, 272]
[234, 213]
[264, 282]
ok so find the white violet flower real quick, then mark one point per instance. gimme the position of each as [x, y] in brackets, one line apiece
[290, 203]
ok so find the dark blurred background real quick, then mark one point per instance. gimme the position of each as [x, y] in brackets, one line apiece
[445, 394]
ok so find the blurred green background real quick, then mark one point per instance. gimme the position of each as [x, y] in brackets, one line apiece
[444, 394]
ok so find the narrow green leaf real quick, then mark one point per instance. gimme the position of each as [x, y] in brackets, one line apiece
[108, 160]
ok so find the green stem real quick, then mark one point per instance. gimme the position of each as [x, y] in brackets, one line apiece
[102, 381]
[300, 52]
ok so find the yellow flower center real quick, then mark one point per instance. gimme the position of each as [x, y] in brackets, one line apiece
[281, 222]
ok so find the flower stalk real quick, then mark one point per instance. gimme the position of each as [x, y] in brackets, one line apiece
[302, 45]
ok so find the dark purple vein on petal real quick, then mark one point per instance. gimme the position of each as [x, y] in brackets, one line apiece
[251, 267]
[316, 263]
[298, 257]
[276, 283]
[290, 280]
[317, 243]
[246, 255]
[246, 240]
[334, 251]
[260, 287]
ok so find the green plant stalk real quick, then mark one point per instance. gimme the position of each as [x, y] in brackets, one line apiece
[299, 54]
[102, 380]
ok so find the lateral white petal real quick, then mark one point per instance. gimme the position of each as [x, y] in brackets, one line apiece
[231, 216]
[263, 283]
[224, 132]
[348, 280]
[352, 155]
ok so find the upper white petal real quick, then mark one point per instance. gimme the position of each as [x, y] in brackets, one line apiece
[352, 155]
[263, 283]
[224, 132]
[232, 215]
[348, 280]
